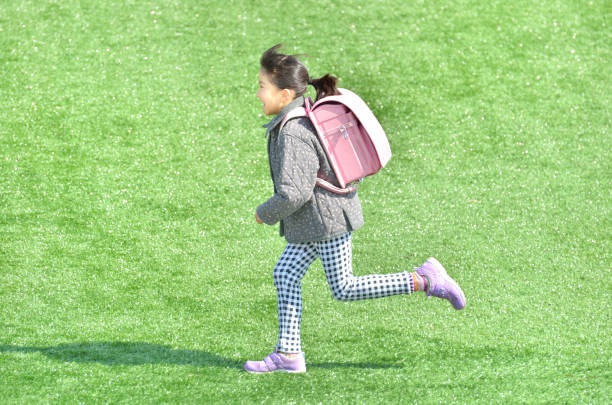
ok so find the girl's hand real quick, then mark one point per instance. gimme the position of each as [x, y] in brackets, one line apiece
[259, 221]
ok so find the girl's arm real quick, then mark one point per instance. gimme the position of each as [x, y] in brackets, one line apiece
[295, 182]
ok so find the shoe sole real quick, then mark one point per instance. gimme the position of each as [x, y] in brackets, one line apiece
[276, 371]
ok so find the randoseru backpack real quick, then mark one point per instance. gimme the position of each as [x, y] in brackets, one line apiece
[354, 141]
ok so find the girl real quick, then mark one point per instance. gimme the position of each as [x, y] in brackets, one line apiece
[315, 222]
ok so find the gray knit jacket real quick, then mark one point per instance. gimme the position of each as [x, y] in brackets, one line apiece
[306, 213]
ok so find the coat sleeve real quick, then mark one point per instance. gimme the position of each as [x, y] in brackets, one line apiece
[294, 183]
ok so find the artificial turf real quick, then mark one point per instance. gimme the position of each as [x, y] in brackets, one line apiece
[132, 159]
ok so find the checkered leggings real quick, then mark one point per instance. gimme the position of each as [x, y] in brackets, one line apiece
[336, 257]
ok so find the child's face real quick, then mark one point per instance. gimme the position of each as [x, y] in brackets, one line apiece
[273, 98]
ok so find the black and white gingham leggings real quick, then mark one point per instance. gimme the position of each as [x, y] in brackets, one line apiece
[336, 257]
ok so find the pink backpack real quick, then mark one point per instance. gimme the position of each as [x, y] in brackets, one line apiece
[355, 143]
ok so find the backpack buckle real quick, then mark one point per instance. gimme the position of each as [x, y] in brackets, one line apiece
[344, 131]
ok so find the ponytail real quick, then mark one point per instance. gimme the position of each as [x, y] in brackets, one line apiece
[325, 86]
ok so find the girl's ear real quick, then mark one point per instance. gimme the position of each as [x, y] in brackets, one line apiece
[288, 95]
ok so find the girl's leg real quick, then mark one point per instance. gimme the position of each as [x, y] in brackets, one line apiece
[336, 257]
[288, 274]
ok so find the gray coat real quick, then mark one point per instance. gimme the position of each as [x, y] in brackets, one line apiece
[306, 213]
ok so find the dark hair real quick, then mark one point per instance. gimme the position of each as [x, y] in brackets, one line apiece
[287, 72]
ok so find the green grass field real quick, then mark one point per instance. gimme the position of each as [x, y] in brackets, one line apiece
[132, 159]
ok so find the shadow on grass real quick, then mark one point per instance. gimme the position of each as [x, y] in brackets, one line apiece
[332, 365]
[136, 353]
[126, 353]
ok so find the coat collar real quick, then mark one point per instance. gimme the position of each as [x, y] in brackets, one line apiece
[297, 102]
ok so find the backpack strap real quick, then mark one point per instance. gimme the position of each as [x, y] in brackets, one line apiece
[324, 184]
[295, 113]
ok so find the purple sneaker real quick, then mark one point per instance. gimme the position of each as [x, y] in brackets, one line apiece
[277, 362]
[440, 283]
